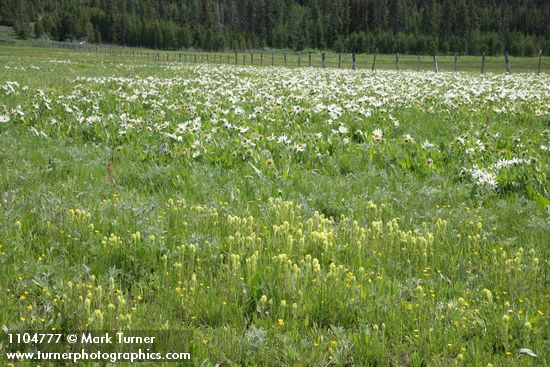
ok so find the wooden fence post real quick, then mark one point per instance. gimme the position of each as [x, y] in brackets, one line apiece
[284, 55]
[339, 60]
[436, 68]
[540, 61]
[352, 61]
[299, 59]
[373, 62]
[273, 59]
[309, 60]
[417, 62]
[324, 59]
[261, 58]
[507, 62]
[483, 63]
[397, 60]
[456, 61]
[236, 60]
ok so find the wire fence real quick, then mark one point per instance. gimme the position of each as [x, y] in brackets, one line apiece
[324, 59]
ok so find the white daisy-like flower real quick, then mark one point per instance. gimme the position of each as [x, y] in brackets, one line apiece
[484, 178]
[408, 139]
[377, 135]
[427, 145]
[342, 129]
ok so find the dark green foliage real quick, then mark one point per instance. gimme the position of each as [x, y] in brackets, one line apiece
[521, 27]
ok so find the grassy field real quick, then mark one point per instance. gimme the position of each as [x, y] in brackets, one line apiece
[445, 63]
[278, 216]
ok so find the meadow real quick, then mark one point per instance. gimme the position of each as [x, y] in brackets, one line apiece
[280, 216]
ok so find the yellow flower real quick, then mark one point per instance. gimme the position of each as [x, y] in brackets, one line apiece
[281, 322]
[205, 341]
[410, 307]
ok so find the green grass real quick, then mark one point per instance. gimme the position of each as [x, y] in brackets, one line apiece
[351, 251]
[493, 64]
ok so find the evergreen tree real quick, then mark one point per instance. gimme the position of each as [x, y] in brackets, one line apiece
[417, 26]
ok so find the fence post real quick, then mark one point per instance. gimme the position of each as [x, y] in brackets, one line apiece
[251, 59]
[261, 58]
[418, 62]
[507, 62]
[456, 61]
[324, 59]
[397, 60]
[236, 60]
[483, 63]
[352, 61]
[309, 60]
[339, 60]
[284, 55]
[373, 62]
[299, 59]
[540, 61]
[436, 68]
[273, 59]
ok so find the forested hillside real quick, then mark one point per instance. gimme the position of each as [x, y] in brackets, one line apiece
[408, 26]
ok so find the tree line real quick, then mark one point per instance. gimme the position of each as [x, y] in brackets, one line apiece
[521, 27]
